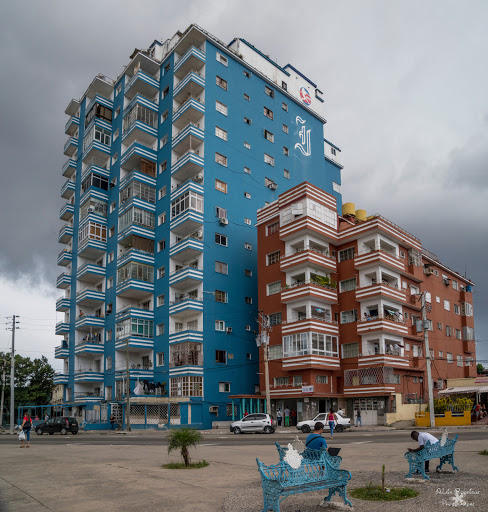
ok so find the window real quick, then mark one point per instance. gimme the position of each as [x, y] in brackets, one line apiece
[221, 159]
[468, 333]
[99, 111]
[447, 305]
[247, 145]
[247, 120]
[248, 300]
[166, 67]
[459, 360]
[247, 170]
[223, 60]
[163, 167]
[297, 380]
[136, 327]
[220, 107]
[268, 160]
[456, 309]
[162, 218]
[246, 97]
[306, 343]
[281, 381]
[268, 113]
[284, 86]
[160, 329]
[160, 359]
[275, 352]
[269, 91]
[164, 141]
[439, 325]
[268, 136]
[449, 357]
[110, 257]
[247, 221]
[247, 195]
[117, 112]
[110, 282]
[346, 254]
[272, 228]
[247, 272]
[248, 246]
[160, 300]
[286, 152]
[219, 132]
[274, 288]
[221, 213]
[115, 135]
[221, 82]
[285, 128]
[161, 245]
[137, 271]
[348, 317]
[162, 192]
[139, 190]
[455, 285]
[415, 291]
[466, 309]
[458, 334]
[284, 106]
[108, 363]
[221, 186]
[274, 319]
[221, 356]
[219, 325]
[161, 272]
[224, 387]
[220, 296]
[247, 74]
[286, 174]
[441, 354]
[448, 331]
[273, 258]
[186, 386]
[407, 347]
[333, 151]
[109, 334]
[321, 379]
[221, 268]
[94, 180]
[350, 350]
[164, 116]
[347, 285]
[220, 239]
[166, 92]
[188, 201]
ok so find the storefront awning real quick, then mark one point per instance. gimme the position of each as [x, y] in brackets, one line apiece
[464, 389]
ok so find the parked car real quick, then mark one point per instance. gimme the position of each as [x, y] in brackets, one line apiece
[257, 422]
[59, 424]
[340, 424]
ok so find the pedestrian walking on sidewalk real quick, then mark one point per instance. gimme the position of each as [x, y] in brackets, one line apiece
[112, 422]
[293, 417]
[287, 417]
[358, 417]
[26, 428]
[279, 416]
[331, 418]
[422, 438]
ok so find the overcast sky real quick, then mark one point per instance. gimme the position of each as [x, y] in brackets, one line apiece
[405, 88]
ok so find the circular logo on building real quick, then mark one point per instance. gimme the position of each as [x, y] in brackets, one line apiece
[305, 96]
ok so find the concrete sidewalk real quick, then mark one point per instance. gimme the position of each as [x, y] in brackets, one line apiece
[83, 477]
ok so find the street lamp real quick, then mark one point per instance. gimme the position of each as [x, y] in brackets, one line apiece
[262, 340]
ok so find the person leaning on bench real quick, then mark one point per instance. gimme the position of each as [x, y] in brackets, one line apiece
[422, 438]
[314, 440]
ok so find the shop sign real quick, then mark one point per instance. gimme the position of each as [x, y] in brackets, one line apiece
[307, 389]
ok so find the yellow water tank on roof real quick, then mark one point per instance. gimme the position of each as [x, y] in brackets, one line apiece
[361, 215]
[348, 209]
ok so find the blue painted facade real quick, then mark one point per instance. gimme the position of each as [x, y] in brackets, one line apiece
[182, 144]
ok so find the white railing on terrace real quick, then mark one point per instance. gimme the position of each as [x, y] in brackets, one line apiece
[324, 252]
[189, 51]
[386, 283]
[310, 317]
[190, 151]
[194, 179]
[186, 101]
[391, 318]
[186, 127]
[195, 236]
[177, 300]
[135, 250]
[302, 283]
[377, 215]
[379, 249]
[185, 267]
[368, 353]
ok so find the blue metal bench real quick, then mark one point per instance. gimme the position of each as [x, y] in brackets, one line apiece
[311, 455]
[281, 480]
[416, 460]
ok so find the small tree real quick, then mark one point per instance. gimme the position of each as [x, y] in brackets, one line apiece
[183, 439]
[480, 368]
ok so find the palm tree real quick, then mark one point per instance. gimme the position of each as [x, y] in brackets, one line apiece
[182, 439]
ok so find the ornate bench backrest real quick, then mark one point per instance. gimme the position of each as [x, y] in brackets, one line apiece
[288, 477]
[313, 455]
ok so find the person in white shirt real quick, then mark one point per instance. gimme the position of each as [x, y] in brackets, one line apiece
[422, 438]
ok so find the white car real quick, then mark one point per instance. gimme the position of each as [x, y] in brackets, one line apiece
[340, 424]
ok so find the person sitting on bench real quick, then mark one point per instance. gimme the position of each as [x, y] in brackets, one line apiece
[314, 440]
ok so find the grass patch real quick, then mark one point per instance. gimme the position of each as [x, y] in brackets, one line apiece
[484, 452]
[181, 465]
[374, 493]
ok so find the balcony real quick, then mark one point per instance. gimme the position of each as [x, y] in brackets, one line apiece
[375, 381]
[88, 375]
[393, 359]
[311, 362]
[141, 123]
[131, 157]
[88, 396]
[63, 280]
[134, 254]
[309, 289]
[89, 345]
[62, 304]
[72, 107]
[185, 305]
[72, 125]
[90, 273]
[64, 258]
[382, 323]
[192, 110]
[136, 344]
[134, 288]
[193, 58]
[90, 298]
[89, 322]
[62, 351]
[69, 168]
[186, 335]
[375, 257]
[92, 248]
[384, 289]
[141, 83]
[62, 328]
[70, 146]
[192, 84]
[102, 85]
[67, 211]
[310, 323]
[189, 138]
[65, 234]
[187, 165]
[60, 378]
[133, 312]
[68, 189]
[135, 229]
[469, 346]
[302, 224]
[136, 371]
[95, 150]
[186, 276]
[187, 247]
[308, 256]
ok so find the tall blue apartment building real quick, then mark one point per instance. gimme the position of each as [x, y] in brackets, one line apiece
[167, 167]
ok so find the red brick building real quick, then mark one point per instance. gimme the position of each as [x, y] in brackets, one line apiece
[342, 294]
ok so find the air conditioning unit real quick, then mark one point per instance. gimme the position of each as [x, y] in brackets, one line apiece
[428, 271]
[228, 330]
[223, 221]
[446, 281]
[213, 409]
[273, 186]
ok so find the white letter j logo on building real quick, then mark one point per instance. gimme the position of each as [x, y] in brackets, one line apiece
[304, 146]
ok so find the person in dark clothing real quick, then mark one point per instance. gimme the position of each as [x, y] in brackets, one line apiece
[358, 417]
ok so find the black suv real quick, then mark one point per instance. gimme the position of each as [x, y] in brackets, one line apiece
[61, 424]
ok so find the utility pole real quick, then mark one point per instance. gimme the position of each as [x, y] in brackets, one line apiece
[127, 387]
[4, 362]
[12, 380]
[425, 326]
[262, 340]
